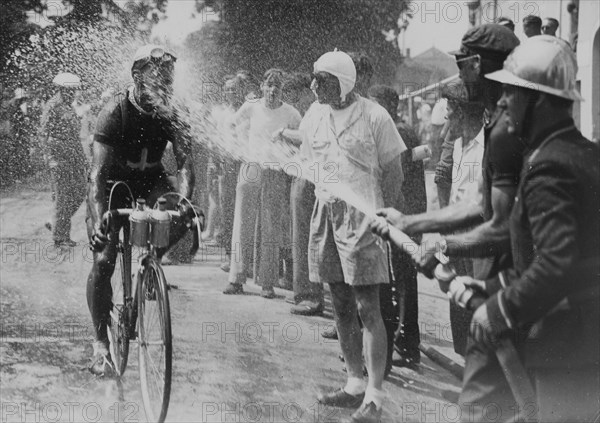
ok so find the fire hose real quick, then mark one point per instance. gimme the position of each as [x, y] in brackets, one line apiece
[507, 355]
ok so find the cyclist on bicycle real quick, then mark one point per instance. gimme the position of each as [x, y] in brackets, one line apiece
[130, 138]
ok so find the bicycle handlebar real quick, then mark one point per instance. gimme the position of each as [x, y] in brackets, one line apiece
[111, 214]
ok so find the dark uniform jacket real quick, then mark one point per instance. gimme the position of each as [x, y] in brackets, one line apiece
[60, 127]
[555, 237]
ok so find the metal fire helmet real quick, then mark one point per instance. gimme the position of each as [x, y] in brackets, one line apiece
[67, 80]
[542, 63]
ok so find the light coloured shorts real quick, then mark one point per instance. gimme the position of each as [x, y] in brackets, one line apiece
[342, 248]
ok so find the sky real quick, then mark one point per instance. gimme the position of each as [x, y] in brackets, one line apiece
[442, 23]
[439, 24]
[182, 19]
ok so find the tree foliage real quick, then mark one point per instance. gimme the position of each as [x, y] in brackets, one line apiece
[91, 38]
[292, 34]
[251, 34]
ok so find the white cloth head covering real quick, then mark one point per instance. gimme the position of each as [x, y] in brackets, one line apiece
[340, 65]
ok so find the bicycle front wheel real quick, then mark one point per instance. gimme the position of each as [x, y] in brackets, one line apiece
[154, 341]
[118, 325]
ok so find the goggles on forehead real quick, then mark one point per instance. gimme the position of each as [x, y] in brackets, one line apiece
[463, 62]
[158, 56]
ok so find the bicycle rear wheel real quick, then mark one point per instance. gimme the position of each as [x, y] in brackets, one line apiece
[154, 342]
[118, 325]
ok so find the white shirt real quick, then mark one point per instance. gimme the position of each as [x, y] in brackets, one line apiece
[264, 121]
[351, 147]
[466, 169]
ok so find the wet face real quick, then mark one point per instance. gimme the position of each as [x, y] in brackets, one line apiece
[514, 104]
[326, 87]
[230, 90]
[154, 83]
[68, 95]
[271, 89]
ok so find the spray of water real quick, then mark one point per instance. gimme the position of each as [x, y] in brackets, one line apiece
[101, 56]
[276, 154]
[288, 158]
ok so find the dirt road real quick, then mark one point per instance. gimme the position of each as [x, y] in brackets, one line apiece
[236, 358]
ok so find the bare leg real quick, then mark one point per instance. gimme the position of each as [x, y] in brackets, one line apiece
[374, 335]
[344, 304]
[99, 290]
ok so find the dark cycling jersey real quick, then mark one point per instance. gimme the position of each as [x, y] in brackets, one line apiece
[138, 139]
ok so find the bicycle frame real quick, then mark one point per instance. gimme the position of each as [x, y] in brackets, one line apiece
[147, 287]
[146, 253]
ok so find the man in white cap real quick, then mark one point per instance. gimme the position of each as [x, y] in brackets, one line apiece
[129, 142]
[360, 139]
[60, 128]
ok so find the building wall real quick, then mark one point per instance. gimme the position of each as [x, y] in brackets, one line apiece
[588, 58]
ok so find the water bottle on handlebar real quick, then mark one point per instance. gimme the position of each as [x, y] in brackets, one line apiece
[140, 224]
[149, 227]
[160, 222]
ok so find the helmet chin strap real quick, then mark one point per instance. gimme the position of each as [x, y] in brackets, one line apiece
[528, 117]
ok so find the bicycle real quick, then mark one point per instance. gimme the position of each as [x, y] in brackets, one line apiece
[141, 311]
